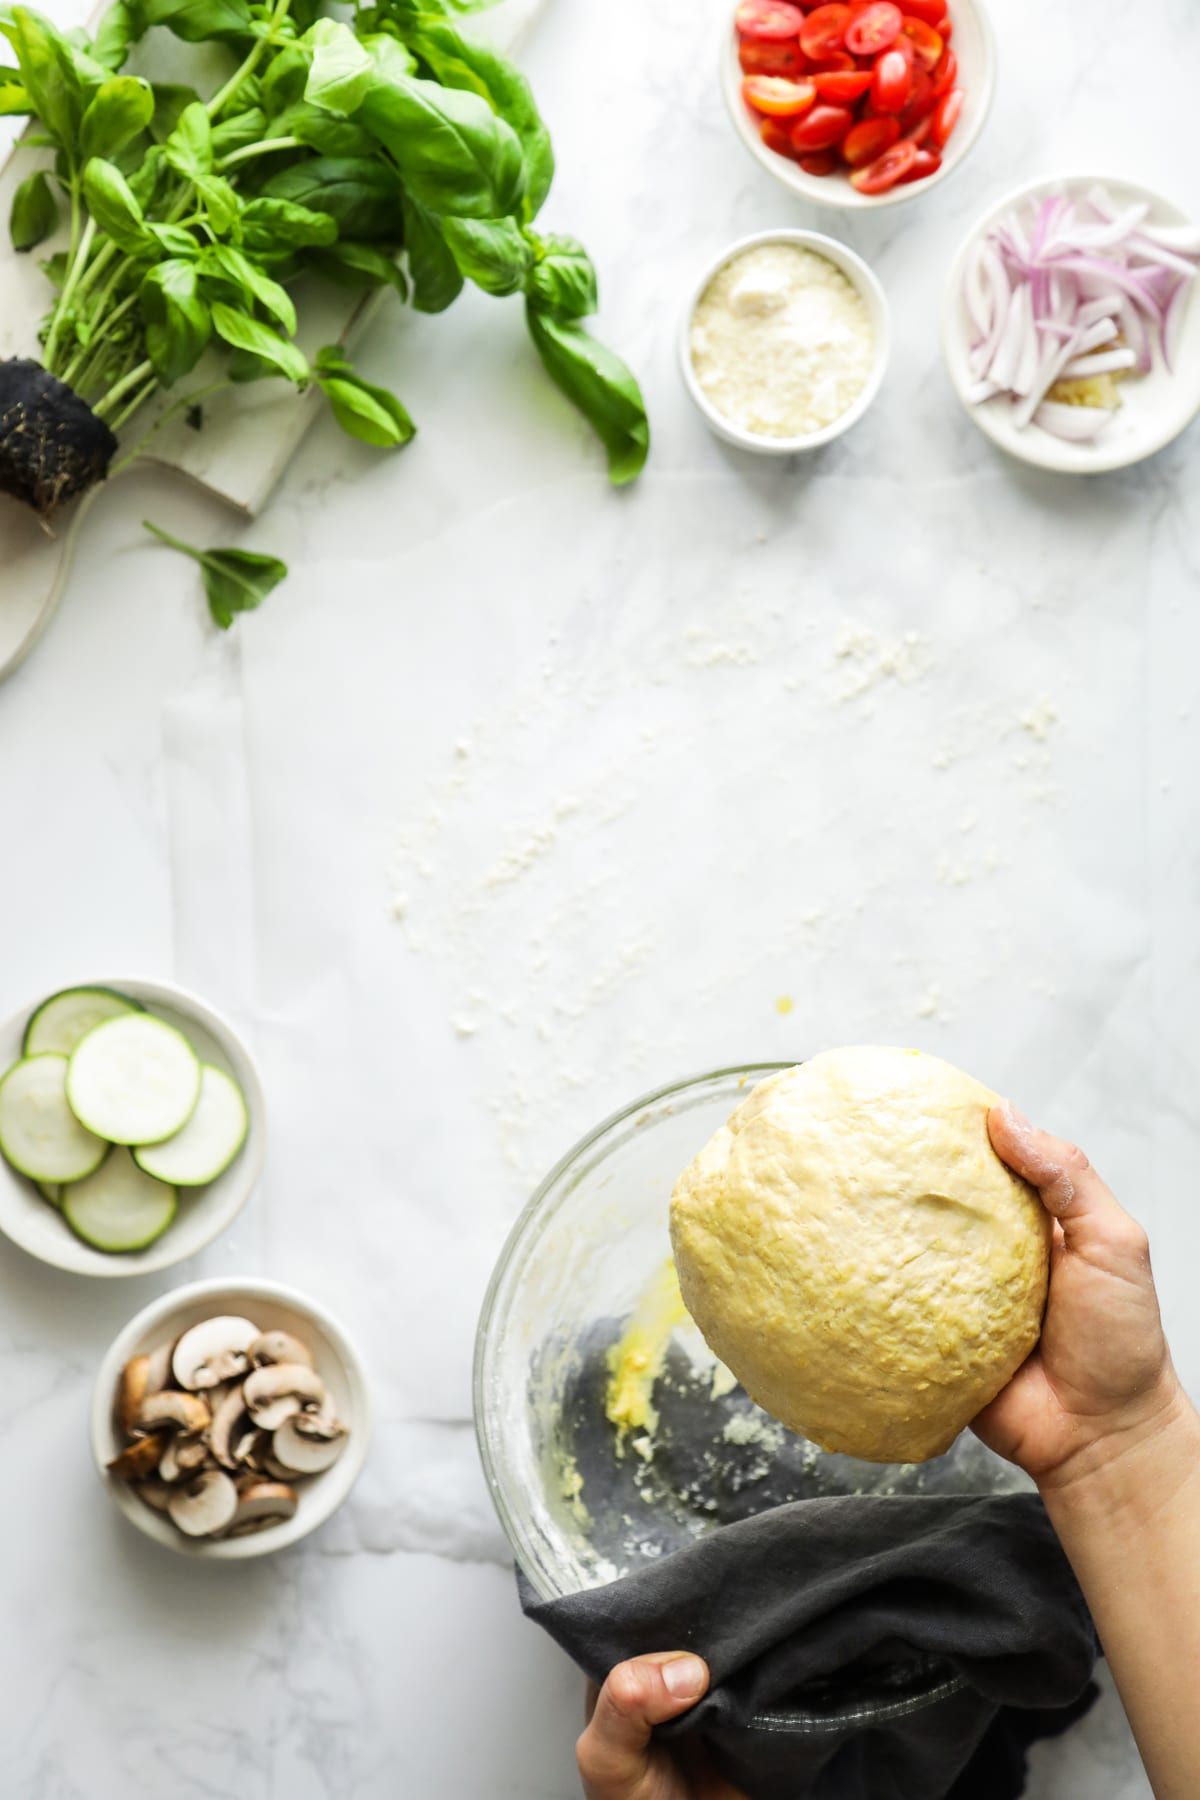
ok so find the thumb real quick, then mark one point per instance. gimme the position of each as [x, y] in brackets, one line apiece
[613, 1753]
[1069, 1186]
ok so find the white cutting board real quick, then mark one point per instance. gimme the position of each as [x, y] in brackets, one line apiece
[249, 433]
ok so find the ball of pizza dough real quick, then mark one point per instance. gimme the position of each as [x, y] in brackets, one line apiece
[853, 1248]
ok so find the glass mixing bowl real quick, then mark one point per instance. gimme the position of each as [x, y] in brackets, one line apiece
[583, 1501]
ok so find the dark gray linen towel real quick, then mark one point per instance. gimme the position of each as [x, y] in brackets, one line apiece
[954, 1622]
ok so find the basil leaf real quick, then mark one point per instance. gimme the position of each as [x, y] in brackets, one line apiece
[493, 253]
[600, 385]
[283, 83]
[461, 62]
[269, 223]
[228, 264]
[189, 148]
[453, 152]
[361, 266]
[221, 203]
[34, 212]
[361, 196]
[113, 205]
[117, 29]
[236, 132]
[235, 581]
[436, 277]
[14, 96]
[325, 132]
[368, 413]
[54, 268]
[244, 333]
[170, 103]
[197, 20]
[341, 69]
[119, 111]
[48, 73]
[563, 282]
[176, 240]
[178, 323]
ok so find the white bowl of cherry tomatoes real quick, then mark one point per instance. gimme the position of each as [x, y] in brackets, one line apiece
[862, 104]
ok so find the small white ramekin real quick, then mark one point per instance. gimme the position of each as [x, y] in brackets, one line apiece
[859, 275]
[204, 1212]
[273, 1307]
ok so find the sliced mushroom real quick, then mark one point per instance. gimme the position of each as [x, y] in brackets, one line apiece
[263, 1503]
[159, 1373]
[172, 1411]
[139, 1459]
[205, 1506]
[191, 1453]
[213, 1351]
[304, 1453]
[323, 1424]
[226, 1420]
[154, 1492]
[279, 1347]
[168, 1468]
[131, 1391]
[277, 1391]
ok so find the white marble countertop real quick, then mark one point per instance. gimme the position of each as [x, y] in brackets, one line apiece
[902, 732]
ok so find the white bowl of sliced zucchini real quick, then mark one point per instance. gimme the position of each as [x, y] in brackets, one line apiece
[230, 1418]
[132, 1126]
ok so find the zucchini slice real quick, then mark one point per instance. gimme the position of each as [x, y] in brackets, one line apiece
[208, 1142]
[134, 1080]
[50, 1190]
[39, 1133]
[60, 1022]
[119, 1207]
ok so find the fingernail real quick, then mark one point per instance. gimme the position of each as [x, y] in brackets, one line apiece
[684, 1678]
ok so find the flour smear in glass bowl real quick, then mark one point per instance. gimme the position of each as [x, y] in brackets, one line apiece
[782, 343]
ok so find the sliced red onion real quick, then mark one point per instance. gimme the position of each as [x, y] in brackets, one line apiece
[1075, 424]
[1172, 325]
[1106, 363]
[1052, 287]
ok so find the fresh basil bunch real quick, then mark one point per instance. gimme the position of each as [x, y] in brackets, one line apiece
[393, 151]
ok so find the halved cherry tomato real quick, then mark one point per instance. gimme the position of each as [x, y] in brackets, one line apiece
[776, 96]
[823, 29]
[916, 134]
[768, 20]
[932, 11]
[821, 127]
[925, 162]
[768, 58]
[921, 101]
[818, 162]
[945, 116]
[878, 176]
[838, 62]
[945, 75]
[842, 85]
[872, 28]
[890, 83]
[775, 137]
[869, 139]
[945, 29]
[926, 42]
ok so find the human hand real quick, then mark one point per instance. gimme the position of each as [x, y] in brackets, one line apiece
[618, 1759]
[1101, 1379]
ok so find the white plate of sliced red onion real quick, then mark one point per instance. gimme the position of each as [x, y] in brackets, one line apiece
[1071, 326]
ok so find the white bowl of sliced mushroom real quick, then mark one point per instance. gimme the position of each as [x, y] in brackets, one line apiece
[230, 1419]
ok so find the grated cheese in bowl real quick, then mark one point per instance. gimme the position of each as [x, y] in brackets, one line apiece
[785, 344]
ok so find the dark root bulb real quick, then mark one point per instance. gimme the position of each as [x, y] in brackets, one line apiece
[52, 445]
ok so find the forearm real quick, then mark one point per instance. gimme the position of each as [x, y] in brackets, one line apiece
[1128, 1518]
